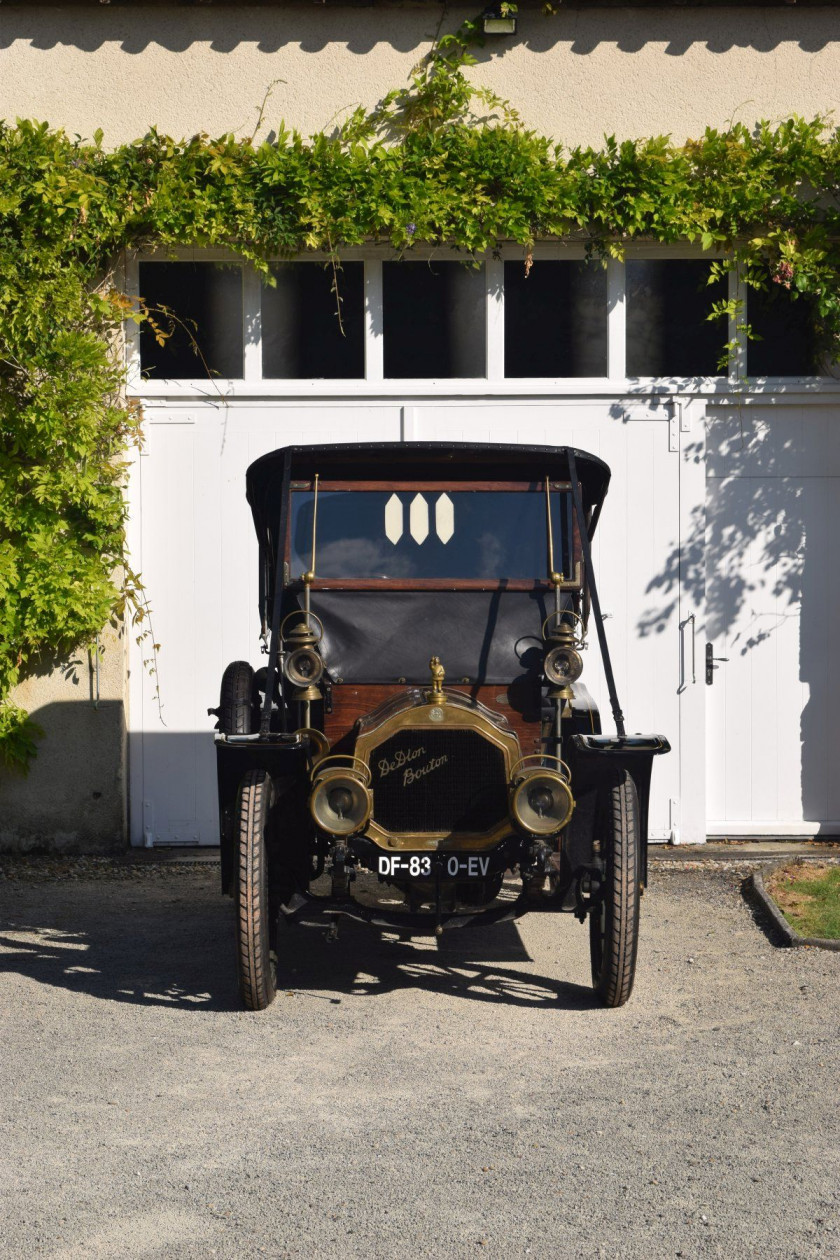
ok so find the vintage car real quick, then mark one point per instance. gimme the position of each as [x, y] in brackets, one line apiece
[418, 751]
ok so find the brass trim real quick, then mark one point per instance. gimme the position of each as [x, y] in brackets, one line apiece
[318, 740]
[309, 576]
[418, 718]
[556, 579]
[305, 632]
[539, 758]
[431, 841]
[562, 632]
[347, 764]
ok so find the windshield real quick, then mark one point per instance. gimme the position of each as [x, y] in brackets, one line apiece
[431, 533]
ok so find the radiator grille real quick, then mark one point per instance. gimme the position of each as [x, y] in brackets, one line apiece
[438, 781]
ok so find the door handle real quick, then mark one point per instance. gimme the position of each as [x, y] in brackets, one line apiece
[710, 663]
[689, 621]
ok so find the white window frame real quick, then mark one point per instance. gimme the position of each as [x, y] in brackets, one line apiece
[724, 388]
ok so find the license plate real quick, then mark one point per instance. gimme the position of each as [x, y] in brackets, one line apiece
[426, 865]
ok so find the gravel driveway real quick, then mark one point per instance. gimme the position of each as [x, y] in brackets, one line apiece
[405, 1100]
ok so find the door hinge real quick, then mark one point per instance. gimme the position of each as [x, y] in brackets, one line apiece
[674, 429]
[148, 825]
[673, 818]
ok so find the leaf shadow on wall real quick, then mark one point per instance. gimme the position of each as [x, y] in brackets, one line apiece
[761, 551]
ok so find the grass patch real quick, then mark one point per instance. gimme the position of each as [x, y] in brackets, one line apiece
[809, 898]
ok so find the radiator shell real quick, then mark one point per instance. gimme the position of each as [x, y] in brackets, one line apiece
[439, 772]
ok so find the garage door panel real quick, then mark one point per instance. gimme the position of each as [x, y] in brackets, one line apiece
[820, 443]
[168, 693]
[638, 531]
[744, 442]
[773, 525]
[199, 565]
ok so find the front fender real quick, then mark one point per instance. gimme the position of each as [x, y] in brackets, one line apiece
[598, 759]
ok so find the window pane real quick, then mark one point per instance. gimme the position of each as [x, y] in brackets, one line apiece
[301, 331]
[556, 319]
[430, 533]
[433, 318]
[786, 327]
[668, 333]
[206, 302]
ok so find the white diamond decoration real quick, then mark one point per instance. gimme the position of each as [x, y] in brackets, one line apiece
[418, 519]
[393, 519]
[444, 518]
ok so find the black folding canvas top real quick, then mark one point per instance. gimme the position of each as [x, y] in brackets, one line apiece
[414, 460]
[378, 636]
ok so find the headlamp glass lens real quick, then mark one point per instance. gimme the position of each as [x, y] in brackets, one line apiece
[341, 800]
[540, 798]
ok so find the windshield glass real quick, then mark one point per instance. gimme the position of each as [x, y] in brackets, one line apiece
[423, 534]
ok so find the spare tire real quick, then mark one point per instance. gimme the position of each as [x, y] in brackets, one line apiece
[237, 711]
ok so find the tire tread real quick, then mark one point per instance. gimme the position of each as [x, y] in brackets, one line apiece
[236, 699]
[613, 976]
[256, 967]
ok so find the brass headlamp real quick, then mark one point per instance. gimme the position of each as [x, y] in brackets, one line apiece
[541, 800]
[341, 802]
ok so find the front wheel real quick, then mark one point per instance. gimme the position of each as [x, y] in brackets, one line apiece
[614, 921]
[256, 965]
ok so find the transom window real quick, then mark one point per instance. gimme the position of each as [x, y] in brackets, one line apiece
[555, 319]
[445, 319]
[196, 324]
[433, 318]
[669, 332]
[313, 322]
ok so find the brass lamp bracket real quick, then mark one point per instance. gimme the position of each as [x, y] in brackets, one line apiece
[565, 625]
[309, 632]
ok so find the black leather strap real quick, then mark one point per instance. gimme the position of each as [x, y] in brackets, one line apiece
[593, 594]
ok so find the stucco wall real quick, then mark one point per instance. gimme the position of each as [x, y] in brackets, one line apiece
[575, 76]
[74, 796]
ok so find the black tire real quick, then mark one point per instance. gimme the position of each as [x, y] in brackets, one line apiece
[614, 921]
[256, 964]
[237, 716]
[236, 702]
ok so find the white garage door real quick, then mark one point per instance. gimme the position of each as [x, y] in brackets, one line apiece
[194, 542]
[773, 593]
